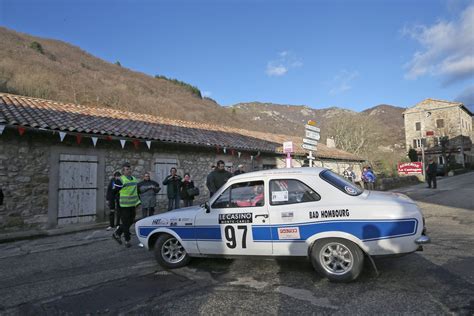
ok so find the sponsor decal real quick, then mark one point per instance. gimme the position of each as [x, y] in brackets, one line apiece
[286, 216]
[329, 213]
[350, 190]
[174, 224]
[235, 218]
[160, 222]
[279, 196]
[288, 233]
[188, 224]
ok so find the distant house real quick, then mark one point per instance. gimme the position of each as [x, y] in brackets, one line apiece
[443, 129]
[56, 159]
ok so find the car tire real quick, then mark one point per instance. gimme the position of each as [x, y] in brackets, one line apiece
[169, 252]
[339, 260]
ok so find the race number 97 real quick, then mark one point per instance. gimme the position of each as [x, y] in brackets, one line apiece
[230, 236]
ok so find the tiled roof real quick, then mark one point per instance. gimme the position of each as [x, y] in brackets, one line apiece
[47, 114]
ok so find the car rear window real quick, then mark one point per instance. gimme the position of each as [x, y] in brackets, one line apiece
[341, 183]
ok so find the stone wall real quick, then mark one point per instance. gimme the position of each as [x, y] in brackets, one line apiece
[24, 179]
[25, 171]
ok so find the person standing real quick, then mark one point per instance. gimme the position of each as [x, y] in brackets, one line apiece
[218, 178]
[112, 198]
[172, 182]
[370, 178]
[349, 174]
[240, 170]
[186, 184]
[213, 167]
[431, 171]
[147, 190]
[128, 202]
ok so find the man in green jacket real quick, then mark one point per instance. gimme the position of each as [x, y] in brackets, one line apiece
[128, 200]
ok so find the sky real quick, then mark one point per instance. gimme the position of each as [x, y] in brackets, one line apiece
[353, 54]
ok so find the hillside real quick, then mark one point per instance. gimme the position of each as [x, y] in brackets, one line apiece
[55, 70]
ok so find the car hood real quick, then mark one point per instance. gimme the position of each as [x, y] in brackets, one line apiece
[179, 217]
[386, 197]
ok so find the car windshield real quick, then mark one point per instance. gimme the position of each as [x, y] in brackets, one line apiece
[341, 183]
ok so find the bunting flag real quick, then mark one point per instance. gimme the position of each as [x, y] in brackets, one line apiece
[148, 143]
[78, 139]
[217, 148]
[21, 130]
[232, 152]
[109, 138]
[239, 153]
[251, 157]
[62, 135]
[225, 150]
[122, 142]
[258, 154]
[94, 140]
[136, 143]
[2, 127]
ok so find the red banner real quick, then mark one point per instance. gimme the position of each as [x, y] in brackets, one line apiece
[410, 168]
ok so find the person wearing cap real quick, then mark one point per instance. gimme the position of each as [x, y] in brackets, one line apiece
[218, 177]
[240, 170]
[128, 201]
[431, 170]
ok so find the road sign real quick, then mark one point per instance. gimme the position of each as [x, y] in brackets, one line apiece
[312, 135]
[309, 147]
[310, 141]
[288, 147]
[312, 128]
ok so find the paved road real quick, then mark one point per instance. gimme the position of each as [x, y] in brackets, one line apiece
[87, 272]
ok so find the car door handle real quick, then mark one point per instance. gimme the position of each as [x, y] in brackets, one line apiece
[264, 215]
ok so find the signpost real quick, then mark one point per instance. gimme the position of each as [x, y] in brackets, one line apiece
[288, 149]
[311, 140]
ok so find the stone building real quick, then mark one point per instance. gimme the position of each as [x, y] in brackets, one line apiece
[56, 159]
[444, 129]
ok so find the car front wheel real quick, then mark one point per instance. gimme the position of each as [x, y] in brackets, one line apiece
[169, 252]
[338, 259]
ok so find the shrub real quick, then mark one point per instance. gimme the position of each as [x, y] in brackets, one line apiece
[37, 47]
[194, 90]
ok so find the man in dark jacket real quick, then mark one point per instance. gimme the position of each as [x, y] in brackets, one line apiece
[431, 170]
[172, 182]
[218, 177]
[240, 170]
[113, 202]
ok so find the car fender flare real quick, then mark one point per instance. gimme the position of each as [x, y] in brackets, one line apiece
[162, 230]
[335, 234]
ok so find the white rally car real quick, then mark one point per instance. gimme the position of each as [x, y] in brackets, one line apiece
[307, 212]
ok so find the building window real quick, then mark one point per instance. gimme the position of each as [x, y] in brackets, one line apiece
[418, 142]
[418, 126]
[440, 123]
[440, 160]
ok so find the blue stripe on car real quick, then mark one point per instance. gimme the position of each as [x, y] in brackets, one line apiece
[363, 229]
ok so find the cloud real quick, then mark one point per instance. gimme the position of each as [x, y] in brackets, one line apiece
[280, 66]
[342, 82]
[467, 97]
[447, 49]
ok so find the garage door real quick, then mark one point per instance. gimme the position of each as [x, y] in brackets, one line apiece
[77, 196]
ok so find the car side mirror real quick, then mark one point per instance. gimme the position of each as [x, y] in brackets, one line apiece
[207, 207]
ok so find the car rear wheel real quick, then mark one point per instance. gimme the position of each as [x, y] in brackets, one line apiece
[338, 259]
[169, 252]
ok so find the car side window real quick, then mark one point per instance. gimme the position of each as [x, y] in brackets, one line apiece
[244, 194]
[223, 200]
[291, 191]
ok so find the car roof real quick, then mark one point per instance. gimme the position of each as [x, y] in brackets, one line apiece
[279, 172]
